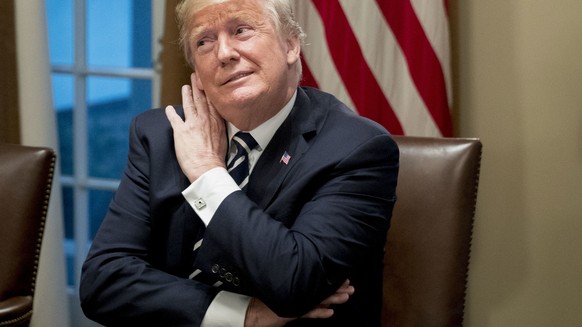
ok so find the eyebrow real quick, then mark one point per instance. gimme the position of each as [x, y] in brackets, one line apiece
[236, 18]
[196, 31]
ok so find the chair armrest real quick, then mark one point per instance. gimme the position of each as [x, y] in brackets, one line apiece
[15, 310]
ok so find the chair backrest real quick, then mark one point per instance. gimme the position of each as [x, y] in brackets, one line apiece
[429, 241]
[25, 183]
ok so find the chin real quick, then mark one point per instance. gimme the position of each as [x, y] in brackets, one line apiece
[243, 96]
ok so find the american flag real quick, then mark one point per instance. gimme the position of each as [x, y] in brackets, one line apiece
[389, 60]
[285, 158]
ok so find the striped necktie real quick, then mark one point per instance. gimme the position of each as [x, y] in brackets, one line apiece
[238, 166]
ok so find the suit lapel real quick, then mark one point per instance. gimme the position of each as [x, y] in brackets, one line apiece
[294, 138]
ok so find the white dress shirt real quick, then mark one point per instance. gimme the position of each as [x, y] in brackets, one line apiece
[228, 309]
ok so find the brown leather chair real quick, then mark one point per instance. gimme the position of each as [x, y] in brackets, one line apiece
[25, 183]
[428, 246]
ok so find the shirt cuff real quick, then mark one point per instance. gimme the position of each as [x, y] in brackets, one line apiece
[208, 191]
[226, 310]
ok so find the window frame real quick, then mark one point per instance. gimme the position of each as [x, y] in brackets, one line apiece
[80, 181]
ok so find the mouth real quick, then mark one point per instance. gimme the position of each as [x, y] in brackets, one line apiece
[236, 77]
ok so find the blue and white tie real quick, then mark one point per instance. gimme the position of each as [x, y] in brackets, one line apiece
[238, 166]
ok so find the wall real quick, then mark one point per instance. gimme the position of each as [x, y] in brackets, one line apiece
[518, 75]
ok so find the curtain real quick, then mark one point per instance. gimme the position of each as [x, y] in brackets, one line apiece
[175, 70]
[9, 119]
[38, 128]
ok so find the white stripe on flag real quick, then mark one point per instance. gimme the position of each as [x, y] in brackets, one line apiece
[433, 17]
[387, 62]
[317, 53]
[410, 91]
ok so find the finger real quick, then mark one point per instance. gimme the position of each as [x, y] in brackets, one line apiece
[200, 100]
[345, 284]
[346, 288]
[173, 116]
[337, 298]
[188, 102]
[319, 313]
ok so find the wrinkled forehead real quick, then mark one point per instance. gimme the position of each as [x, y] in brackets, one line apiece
[203, 13]
[249, 9]
[195, 7]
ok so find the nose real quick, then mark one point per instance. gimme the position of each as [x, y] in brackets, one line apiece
[226, 50]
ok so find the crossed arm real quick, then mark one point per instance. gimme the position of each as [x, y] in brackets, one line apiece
[120, 284]
[200, 142]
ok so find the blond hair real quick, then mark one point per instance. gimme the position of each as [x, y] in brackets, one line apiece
[278, 11]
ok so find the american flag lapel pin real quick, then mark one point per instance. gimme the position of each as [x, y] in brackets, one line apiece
[285, 158]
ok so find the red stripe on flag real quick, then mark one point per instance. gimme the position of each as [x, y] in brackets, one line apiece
[359, 80]
[423, 63]
[307, 78]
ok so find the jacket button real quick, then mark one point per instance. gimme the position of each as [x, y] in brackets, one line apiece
[215, 268]
[228, 277]
[235, 281]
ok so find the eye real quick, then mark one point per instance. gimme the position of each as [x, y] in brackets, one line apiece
[241, 30]
[203, 44]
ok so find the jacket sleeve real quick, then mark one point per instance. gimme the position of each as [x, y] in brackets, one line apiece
[119, 284]
[293, 267]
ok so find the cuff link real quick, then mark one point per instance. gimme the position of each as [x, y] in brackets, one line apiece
[200, 204]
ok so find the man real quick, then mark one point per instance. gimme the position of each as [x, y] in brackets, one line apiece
[184, 244]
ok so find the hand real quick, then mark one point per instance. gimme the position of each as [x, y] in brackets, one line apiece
[259, 315]
[199, 139]
[341, 295]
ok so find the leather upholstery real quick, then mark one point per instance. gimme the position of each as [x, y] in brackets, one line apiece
[25, 183]
[428, 246]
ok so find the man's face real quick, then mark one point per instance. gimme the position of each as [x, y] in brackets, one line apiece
[245, 67]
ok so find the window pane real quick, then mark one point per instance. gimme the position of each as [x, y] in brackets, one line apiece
[60, 30]
[68, 202]
[113, 102]
[68, 205]
[119, 33]
[70, 260]
[63, 94]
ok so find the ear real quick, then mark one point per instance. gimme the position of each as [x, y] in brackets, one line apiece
[293, 50]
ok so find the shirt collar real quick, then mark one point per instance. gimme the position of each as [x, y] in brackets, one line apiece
[264, 132]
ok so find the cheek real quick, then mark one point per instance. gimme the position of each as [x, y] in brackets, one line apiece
[275, 58]
[203, 70]
[199, 84]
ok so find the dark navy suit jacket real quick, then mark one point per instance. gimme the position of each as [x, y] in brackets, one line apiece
[300, 230]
